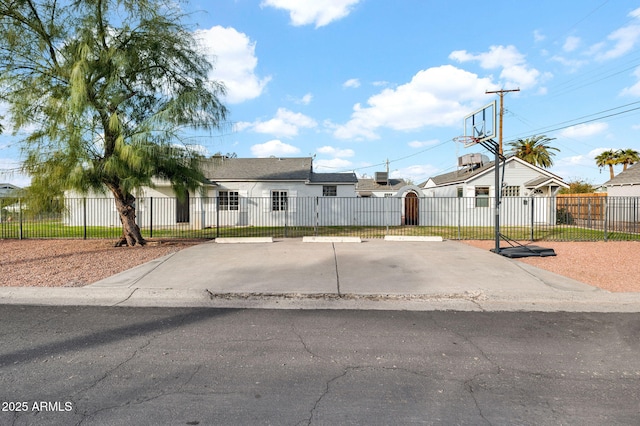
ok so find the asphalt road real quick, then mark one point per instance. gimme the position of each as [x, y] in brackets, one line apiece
[149, 366]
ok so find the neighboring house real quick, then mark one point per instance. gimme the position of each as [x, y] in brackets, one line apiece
[232, 184]
[476, 179]
[626, 184]
[382, 186]
[8, 190]
[379, 186]
[474, 182]
[623, 199]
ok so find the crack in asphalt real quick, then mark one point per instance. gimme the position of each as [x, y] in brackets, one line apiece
[468, 384]
[107, 374]
[326, 392]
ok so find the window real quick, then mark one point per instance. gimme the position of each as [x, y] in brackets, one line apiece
[511, 191]
[482, 196]
[388, 195]
[279, 200]
[460, 192]
[228, 200]
[329, 191]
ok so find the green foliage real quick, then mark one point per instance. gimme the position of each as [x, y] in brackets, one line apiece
[578, 187]
[105, 90]
[534, 150]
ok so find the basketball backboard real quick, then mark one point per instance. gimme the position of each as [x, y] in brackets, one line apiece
[480, 125]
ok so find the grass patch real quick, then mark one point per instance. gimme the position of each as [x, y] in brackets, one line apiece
[55, 229]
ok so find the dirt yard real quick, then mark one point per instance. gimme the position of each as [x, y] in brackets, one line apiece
[613, 266]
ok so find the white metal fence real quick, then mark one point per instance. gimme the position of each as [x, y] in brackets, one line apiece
[522, 218]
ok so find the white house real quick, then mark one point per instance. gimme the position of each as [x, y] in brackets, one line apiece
[623, 199]
[237, 191]
[473, 186]
[626, 184]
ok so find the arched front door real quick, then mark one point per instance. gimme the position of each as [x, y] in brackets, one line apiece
[411, 209]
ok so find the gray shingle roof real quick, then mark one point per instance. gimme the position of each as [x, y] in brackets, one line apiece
[631, 176]
[257, 169]
[460, 175]
[334, 177]
[372, 185]
[269, 169]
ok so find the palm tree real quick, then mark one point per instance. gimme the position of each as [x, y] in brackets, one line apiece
[534, 150]
[608, 158]
[627, 157]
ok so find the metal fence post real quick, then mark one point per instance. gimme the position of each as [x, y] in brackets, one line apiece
[606, 218]
[317, 217]
[84, 218]
[151, 217]
[20, 236]
[533, 218]
[218, 216]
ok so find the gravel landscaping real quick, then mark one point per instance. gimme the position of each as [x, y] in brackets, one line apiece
[612, 266]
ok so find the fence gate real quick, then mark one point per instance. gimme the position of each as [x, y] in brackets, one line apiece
[411, 212]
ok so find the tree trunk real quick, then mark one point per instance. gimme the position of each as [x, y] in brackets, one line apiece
[611, 171]
[125, 205]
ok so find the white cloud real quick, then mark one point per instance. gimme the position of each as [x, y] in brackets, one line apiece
[274, 147]
[584, 130]
[332, 165]
[571, 44]
[336, 152]
[439, 96]
[635, 89]
[318, 12]
[619, 42]
[538, 36]
[306, 99]
[572, 64]
[422, 144]
[515, 70]
[285, 124]
[235, 62]
[418, 173]
[351, 84]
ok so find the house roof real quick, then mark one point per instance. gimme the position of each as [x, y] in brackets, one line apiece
[269, 169]
[258, 169]
[631, 176]
[334, 177]
[461, 175]
[372, 185]
[467, 173]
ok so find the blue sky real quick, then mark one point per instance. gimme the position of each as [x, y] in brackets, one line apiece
[358, 82]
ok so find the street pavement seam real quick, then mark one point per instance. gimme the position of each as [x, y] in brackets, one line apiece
[335, 262]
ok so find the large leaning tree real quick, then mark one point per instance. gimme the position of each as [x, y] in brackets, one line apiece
[105, 90]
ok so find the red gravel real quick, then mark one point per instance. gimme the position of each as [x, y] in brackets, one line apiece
[612, 266]
[73, 263]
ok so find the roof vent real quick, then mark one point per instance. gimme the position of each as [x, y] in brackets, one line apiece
[382, 178]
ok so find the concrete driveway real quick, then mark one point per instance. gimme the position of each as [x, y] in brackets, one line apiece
[372, 274]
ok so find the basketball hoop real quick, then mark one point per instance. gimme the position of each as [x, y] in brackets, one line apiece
[467, 141]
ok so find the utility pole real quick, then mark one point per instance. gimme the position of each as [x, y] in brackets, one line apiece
[501, 94]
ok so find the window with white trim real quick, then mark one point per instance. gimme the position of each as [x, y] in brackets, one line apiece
[279, 200]
[329, 190]
[228, 200]
[482, 196]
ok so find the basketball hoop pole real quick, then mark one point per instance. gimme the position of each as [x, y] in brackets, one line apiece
[493, 147]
